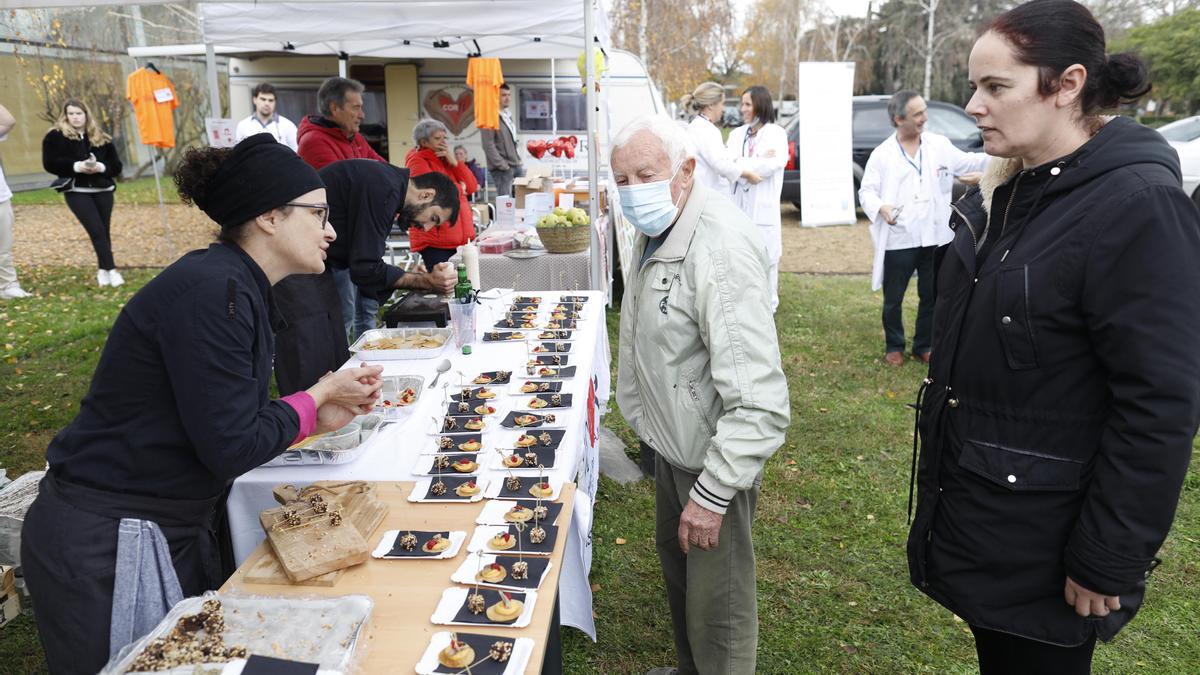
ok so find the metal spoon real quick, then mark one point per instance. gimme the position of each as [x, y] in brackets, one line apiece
[442, 368]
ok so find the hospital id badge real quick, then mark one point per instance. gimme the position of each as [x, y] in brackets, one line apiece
[163, 95]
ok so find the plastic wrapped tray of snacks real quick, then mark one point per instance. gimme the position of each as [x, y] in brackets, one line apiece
[335, 447]
[402, 343]
[324, 631]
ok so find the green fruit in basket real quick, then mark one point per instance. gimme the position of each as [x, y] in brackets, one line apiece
[562, 221]
[578, 216]
[560, 211]
[546, 220]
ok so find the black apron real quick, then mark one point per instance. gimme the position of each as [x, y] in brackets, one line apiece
[69, 554]
[313, 340]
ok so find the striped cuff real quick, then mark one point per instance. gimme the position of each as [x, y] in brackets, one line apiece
[306, 409]
[710, 494]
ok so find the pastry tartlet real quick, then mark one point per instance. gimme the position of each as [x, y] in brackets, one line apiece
[436, 545]
[513, 461]
[525, 420]
[474, 425]
[502, 541]
[465, 466]
[529, 387]
[541, 490]
[492, 574]
[456, 655]
[537, 402]
[518, 514]
[525, 441]
[483, 379]
[467, 489]
[470, 446]
[485, 394]
[505, 611]
[484, 410]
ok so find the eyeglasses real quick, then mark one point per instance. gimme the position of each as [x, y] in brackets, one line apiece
[321, 209]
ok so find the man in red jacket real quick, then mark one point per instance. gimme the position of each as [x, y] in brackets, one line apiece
[333, 135]
[433, 155]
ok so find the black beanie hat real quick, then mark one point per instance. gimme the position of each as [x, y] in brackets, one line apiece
[260, 174]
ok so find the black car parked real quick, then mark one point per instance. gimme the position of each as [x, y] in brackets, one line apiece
[871, 127]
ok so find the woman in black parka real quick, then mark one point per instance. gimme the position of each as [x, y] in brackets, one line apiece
[1064, 390]
[80, 153]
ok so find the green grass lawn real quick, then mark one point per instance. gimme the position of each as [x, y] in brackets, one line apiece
[136, 191]
[830, 529]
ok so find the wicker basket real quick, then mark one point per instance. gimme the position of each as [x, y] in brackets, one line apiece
[565, 239]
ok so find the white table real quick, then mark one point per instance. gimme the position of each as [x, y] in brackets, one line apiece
[394, 450]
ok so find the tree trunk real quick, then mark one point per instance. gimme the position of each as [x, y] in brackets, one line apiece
[643, 19]
[932, 8]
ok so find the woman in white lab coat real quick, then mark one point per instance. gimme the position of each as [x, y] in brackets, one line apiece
[761, 146]
[716, 166]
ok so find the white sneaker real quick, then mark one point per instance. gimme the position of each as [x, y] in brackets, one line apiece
[115, 278]
[102, 278]
[15, 292]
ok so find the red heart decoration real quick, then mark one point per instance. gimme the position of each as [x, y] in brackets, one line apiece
[457, 113]
[536, 148]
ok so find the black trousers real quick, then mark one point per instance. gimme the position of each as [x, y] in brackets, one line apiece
[898, 268]
[94, 211]
[433, 256]
[313, 341]
[1005, 654]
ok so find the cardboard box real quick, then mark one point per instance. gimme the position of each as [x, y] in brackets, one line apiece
[10, 608]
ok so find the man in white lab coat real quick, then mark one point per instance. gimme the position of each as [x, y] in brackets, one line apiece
[905, 191]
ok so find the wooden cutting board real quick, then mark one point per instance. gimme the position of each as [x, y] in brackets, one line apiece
[360, 508]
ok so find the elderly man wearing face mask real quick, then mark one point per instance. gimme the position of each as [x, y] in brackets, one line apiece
[697, 316]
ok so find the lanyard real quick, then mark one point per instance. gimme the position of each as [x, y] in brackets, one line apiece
[916, 165]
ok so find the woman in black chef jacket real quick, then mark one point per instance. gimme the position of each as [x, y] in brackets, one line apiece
[179, 406]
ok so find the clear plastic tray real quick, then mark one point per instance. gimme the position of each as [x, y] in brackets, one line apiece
[392, 386]
[337, 447]
[324, 631]
[446, 335]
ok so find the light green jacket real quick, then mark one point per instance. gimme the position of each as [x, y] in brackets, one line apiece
[699, 375]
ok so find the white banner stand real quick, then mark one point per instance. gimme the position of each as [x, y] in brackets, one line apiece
[826, 169]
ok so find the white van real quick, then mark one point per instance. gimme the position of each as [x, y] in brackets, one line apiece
[401, 92]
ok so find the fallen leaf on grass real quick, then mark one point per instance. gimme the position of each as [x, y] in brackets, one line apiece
[595, 587]
[620, 541]
[791, 462]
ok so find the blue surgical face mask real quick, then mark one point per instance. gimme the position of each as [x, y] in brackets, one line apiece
[648, 206]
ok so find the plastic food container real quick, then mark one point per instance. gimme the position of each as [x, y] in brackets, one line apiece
[270, 626]
[337, 447]
[393, 386]
[366, 346]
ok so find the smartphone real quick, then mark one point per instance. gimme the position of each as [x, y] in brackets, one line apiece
[896, 214]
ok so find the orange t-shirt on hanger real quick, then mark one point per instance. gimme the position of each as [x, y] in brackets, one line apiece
[485, 77]
[153, 98]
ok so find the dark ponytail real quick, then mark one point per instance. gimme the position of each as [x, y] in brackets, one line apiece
[1124, 78]
[1056, 34]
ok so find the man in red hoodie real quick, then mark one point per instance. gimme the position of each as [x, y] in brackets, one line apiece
[333, 135]
[433, 155]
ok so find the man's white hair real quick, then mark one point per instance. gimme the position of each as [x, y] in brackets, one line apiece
[674, 139]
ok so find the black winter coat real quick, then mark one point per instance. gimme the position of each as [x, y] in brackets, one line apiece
[1064, 390]
[60, 153]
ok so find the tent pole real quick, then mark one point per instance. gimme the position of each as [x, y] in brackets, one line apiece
[553, 100]
[343, 64]
[214, 92]
[599, 282]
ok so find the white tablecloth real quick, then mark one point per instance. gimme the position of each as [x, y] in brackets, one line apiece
[394, 450]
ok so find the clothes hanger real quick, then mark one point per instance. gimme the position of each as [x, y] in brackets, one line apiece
[150, 66]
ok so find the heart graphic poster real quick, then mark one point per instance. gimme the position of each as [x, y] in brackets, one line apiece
[452, 106]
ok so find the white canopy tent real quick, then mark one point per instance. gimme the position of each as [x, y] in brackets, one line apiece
[505, 29]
